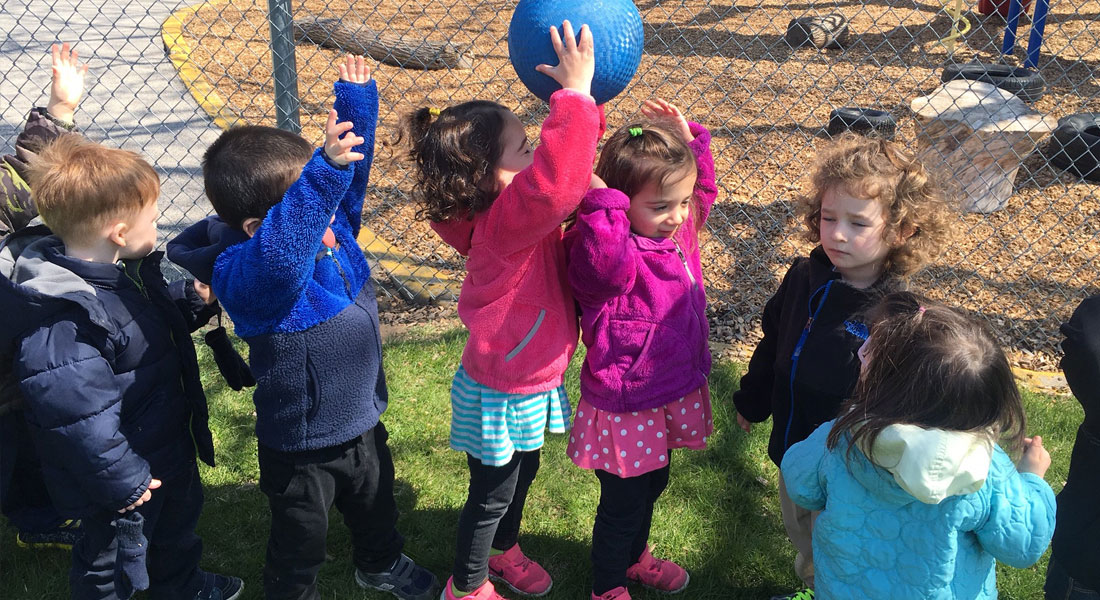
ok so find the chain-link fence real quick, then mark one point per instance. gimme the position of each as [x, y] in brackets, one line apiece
[728, 64]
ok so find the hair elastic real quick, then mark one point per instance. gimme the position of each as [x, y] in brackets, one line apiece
[920, 310]
[636, 131]
[433, 111]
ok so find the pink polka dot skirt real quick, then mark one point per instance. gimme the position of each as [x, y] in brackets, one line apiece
[630, 444]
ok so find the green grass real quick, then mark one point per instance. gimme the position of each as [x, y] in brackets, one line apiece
[719, 518]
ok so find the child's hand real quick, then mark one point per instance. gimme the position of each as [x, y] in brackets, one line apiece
[68, 82]
[153, 484]
[1035, 459]
[595, 183]
[576, 62]
[666, 113]
[337, 149]
[354, 69]
[744, 423]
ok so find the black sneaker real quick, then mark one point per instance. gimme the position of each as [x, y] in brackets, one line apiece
[62, 537]
[806, 594]
[405, 579]
[220, 587]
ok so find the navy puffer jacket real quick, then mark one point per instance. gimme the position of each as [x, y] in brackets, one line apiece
[105, 362]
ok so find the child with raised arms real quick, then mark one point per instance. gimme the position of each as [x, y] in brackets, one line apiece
[918, 498]
[635, 271]
[878, 217]
[501, 202]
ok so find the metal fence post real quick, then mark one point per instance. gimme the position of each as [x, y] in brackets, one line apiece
[285, 71]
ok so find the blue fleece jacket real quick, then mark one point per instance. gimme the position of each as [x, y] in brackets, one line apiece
[874, 540]
[308, 312]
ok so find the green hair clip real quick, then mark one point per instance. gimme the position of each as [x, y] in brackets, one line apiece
[636, 131]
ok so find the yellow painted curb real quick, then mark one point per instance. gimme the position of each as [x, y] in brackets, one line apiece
[1043, 382]
[179, 52]
[421, 283]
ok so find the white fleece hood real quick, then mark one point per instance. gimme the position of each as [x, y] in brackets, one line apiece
[933, 464]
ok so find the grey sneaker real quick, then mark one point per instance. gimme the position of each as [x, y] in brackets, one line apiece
[405, 579]
[220, 587]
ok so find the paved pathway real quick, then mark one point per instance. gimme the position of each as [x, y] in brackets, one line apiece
[134, 98]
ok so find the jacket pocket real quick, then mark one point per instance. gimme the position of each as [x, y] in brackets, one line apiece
[523, 343]
[313, 389]
[634, 340]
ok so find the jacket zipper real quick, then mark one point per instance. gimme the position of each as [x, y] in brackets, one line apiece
[798, 352]
[339, 269]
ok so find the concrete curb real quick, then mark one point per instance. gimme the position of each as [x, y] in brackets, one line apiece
[421, 287]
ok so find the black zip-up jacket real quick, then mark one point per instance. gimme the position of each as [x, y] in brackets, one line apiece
[826, 368]
[1077, 533]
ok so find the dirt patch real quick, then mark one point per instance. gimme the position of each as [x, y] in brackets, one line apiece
[725, 64]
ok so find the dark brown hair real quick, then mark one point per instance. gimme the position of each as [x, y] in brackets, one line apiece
[80, 185]
[455, 153]
[247, 170]
[912, 201]
[931, 366]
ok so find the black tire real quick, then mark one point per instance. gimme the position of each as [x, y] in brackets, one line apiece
[829, 31]
[1027, 84]
[1075, 145]
[865, 121]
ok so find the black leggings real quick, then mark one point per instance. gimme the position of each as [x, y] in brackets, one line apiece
[494, 508]
[623, 519]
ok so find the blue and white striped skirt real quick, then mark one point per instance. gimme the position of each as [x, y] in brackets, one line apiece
[492, 425]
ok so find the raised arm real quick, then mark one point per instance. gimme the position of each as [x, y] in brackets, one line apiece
[544, 194]
[357, 102]
[601, 255]
[706, 189]
[265, 275]
[1020, 516]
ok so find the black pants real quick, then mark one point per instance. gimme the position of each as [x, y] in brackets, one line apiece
[172, 561]
[357, 476]
[494, 508]
[623, 518]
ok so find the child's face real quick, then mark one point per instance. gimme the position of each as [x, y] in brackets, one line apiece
[852, 235]
[516, 152]
[658, 211]
[141, 232]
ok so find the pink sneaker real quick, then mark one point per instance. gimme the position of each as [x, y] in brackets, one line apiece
[618, 593]
[485, 592]
[661, 575]
[520, 573]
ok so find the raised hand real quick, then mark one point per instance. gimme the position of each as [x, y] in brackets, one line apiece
[664, 112]
[576, 61]
[68, 82]
[1035, 458]
[339, 149]
[354, 69]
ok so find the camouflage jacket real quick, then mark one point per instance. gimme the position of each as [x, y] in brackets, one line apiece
[16, 208]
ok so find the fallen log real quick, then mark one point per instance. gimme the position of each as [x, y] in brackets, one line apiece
[386, 48]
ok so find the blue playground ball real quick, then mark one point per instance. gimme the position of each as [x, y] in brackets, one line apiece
[616, 32]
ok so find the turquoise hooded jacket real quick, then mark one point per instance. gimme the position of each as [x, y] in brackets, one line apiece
[875, 540]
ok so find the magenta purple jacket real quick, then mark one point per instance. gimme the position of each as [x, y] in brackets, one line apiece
[643, 318]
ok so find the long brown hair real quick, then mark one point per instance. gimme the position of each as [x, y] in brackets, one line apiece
[932, 366]
[455, 153]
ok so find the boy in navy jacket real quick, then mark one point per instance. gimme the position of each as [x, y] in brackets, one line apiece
[283, 259]
[107, 371]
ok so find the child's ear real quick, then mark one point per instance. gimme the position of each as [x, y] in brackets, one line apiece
[251, 225]
[116, 233]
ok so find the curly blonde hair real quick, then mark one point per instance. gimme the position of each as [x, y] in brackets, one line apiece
[914, 207]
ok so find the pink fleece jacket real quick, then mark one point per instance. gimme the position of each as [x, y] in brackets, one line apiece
[515, 299]
[643, 306]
